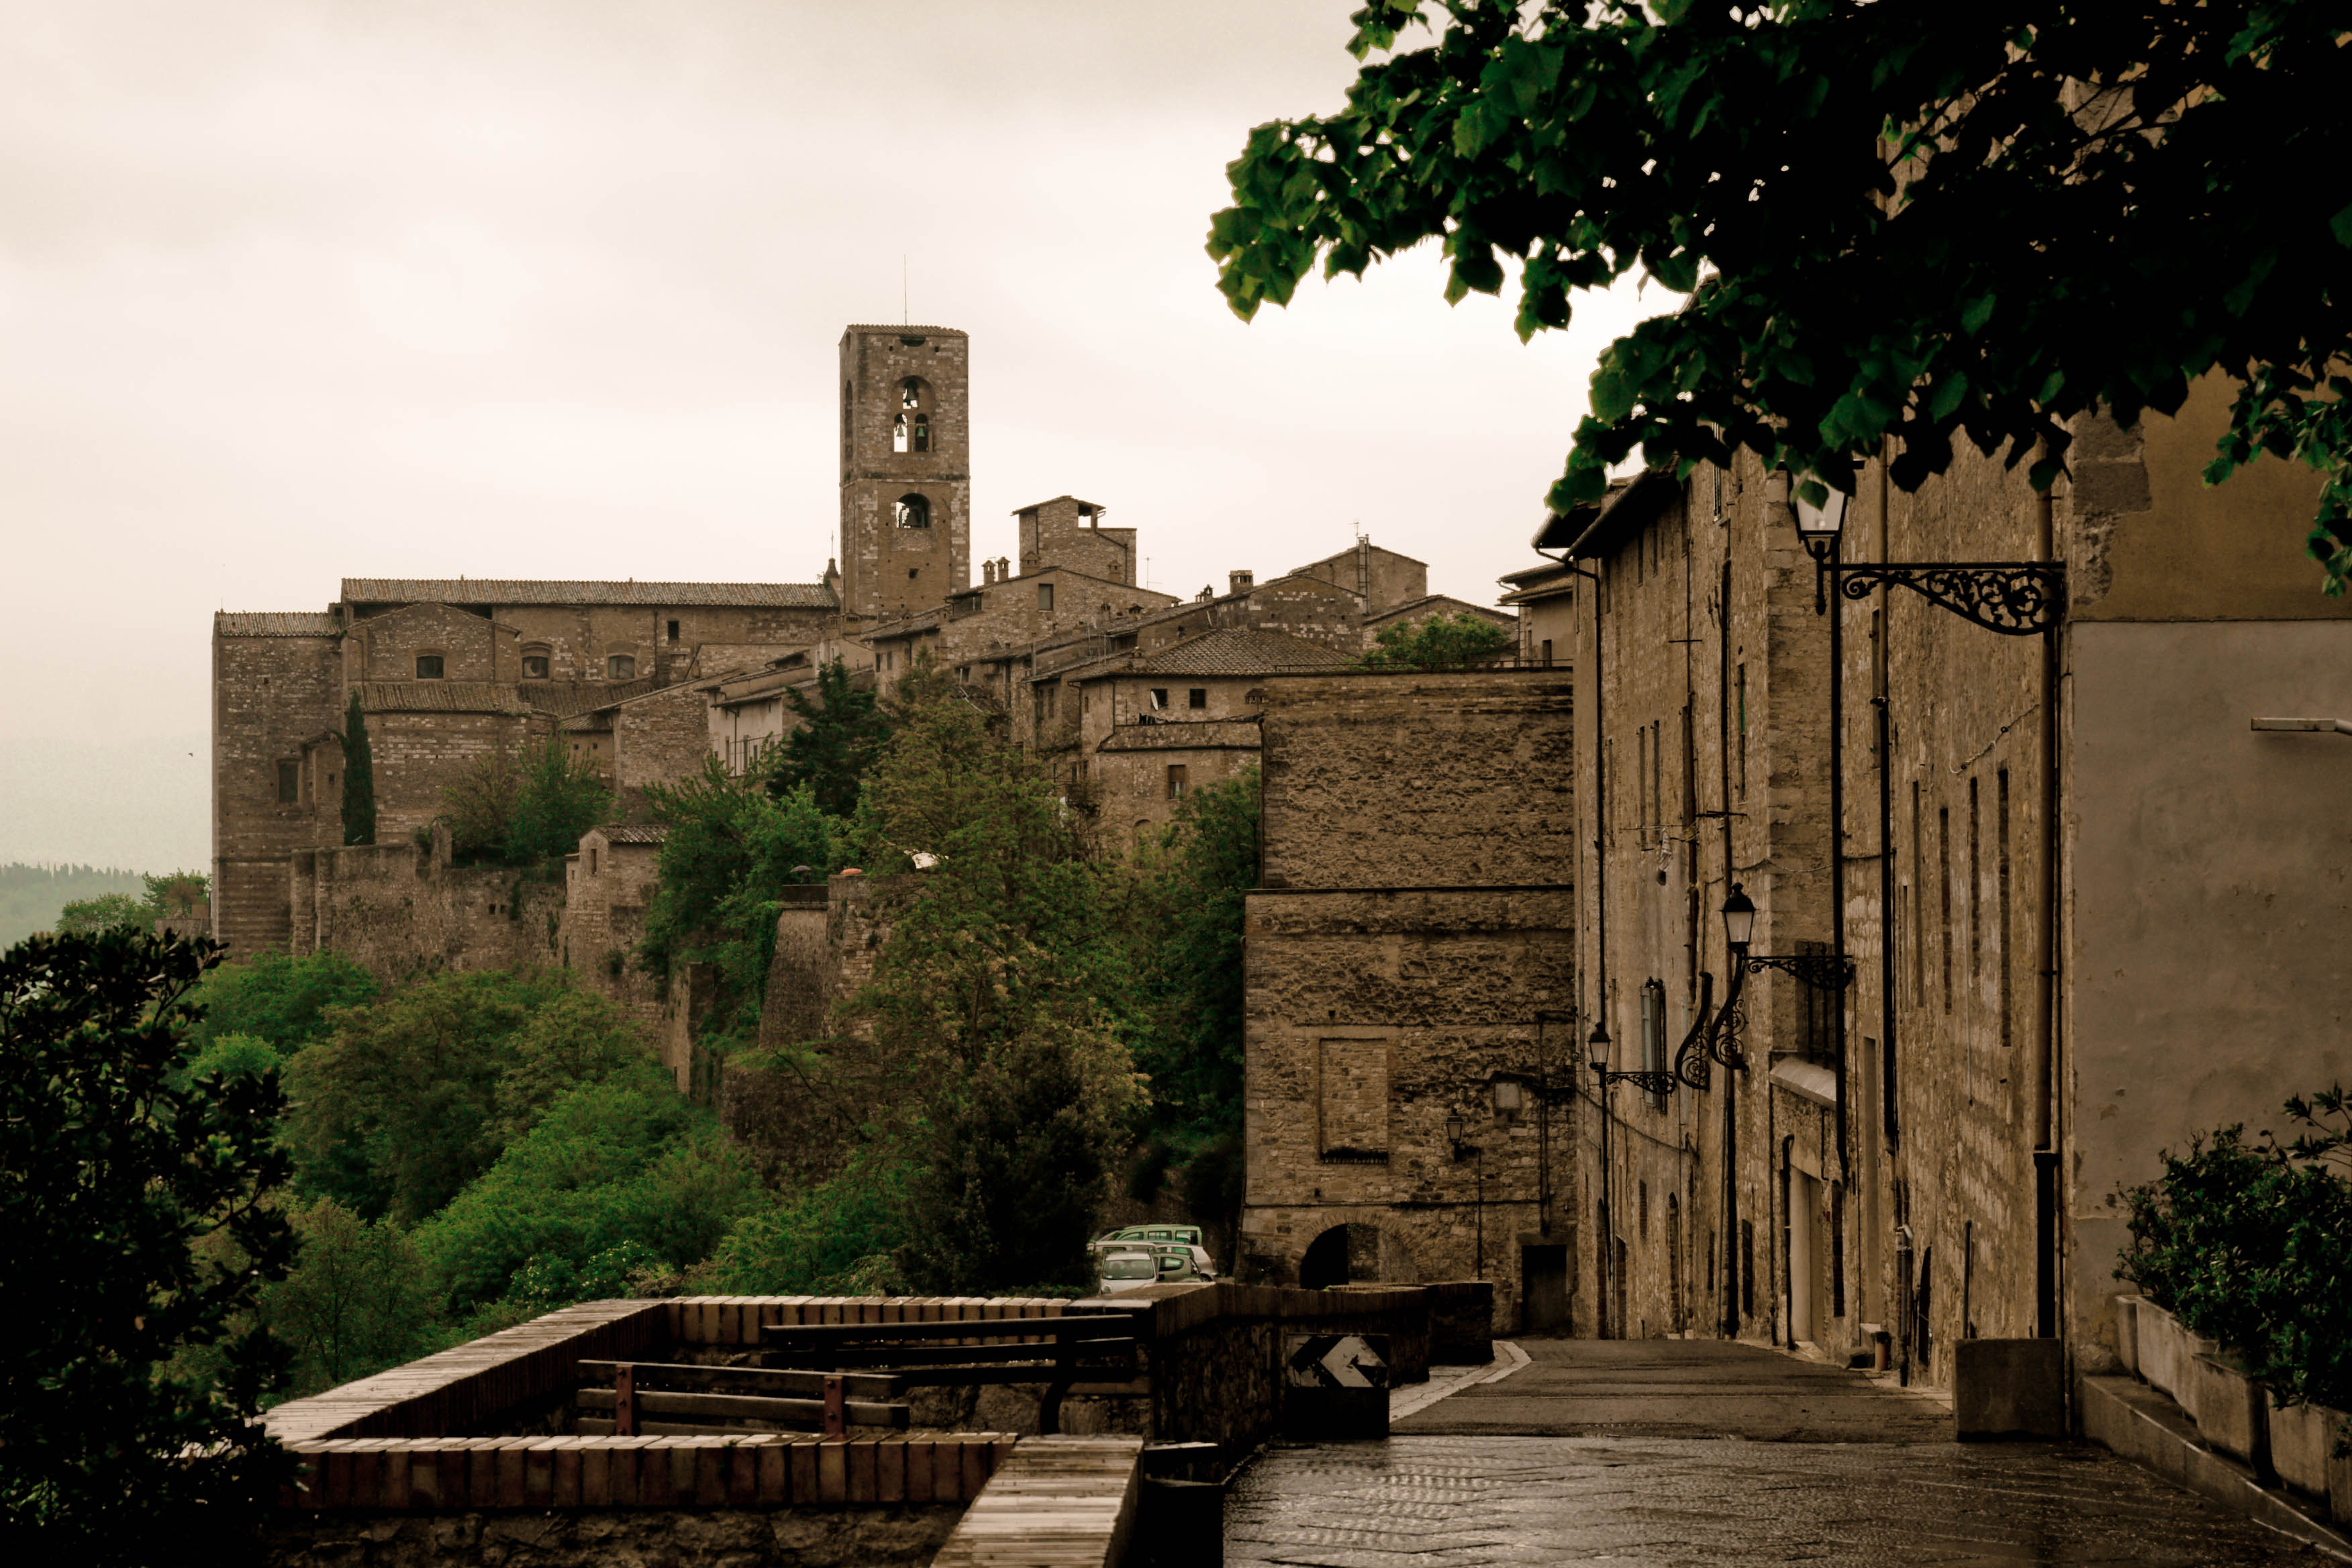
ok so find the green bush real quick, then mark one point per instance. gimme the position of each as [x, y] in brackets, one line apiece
[840, 1237]
[107, 911]
[1460, 641]
[2251, 1243]
[398, 1109]
[607, 1164]
[280, 1000]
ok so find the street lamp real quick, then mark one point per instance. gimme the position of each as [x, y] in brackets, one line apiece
[1818, 526]
[1457, 1125]
[1739, 921]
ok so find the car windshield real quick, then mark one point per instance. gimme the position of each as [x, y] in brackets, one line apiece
[1128, 1267]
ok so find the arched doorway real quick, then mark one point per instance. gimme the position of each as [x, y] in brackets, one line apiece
[1355, 1254]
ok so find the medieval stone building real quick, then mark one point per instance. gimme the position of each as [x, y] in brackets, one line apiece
[2081, 891]
[1413, 935]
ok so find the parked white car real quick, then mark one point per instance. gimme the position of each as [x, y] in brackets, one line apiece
[1126, 1270]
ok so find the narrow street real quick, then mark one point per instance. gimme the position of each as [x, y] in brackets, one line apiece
[1666, 1453]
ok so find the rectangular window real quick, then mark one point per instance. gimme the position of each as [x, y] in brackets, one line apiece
[1976, 891]
[1743, 731]
[1654, 1045]
[1944, 875]
[1160, 697]
[1546, 653]
[1054, 700]
[428, 667]
[1746, 1268]
[673, 631]
[1197, 698]
[2000, 854]
[621, 667]
[1045, 596]
[289, 783]
[591, 859]
[1175, 781]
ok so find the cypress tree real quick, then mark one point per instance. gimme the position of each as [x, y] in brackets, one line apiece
[359, 777]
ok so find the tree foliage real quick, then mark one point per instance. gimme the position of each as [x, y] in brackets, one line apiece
[283, 1000]
[1001, 1004]
[398, 1108]
[520, 809]
[607, 1164]
[1924, 223]
[1460, 641]
[732, 848]
[357, 1300]
[841, 731]
[359, 775]
[115, 1171]
[175, 894]
[107, 911]
[1193, 1048]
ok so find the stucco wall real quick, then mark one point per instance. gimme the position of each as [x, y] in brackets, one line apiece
[2212, 888]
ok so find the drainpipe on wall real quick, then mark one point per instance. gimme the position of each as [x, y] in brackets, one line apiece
[2049, 1262]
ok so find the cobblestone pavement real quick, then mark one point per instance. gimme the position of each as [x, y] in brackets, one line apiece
[1655, 1502]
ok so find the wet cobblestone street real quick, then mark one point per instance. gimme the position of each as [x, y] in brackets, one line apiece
[1444, 1501]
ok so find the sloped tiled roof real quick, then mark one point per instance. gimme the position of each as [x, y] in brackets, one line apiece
[441, 697]
[650, 596]
[634, 832]
[1194, 735]
[276, 623]
[1432, 604]
[1235, 650]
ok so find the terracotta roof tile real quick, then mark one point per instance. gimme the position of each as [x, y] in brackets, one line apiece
[1235, 650]
[276, 623]
[517, 591]
[441, 697]
[634, 832]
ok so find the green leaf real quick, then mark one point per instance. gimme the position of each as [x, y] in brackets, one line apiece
[1976, 313]
[1612, 393]
[1949, 393]
[2341, 227]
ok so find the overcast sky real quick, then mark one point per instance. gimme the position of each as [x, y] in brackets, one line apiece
[406, 287]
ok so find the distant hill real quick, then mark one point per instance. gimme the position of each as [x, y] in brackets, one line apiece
[31, 896]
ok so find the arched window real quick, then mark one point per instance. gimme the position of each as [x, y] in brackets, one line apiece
[912, 511]
[428, 667]
[913, 394]
[535, 663]
[621, 667]
[922, 432]
[899, 434]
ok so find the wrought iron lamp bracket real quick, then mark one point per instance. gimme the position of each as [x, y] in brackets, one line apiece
[2015, 598]
[1658, 1083]
[1822, 971]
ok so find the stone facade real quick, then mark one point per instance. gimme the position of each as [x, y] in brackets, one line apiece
[1380, 579]
[906, 469]
[1931, 1152]
[1067, 532]
[1416, 924]
[607, 885]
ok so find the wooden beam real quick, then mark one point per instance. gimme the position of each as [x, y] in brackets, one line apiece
[762, 1380]
[745, 1407]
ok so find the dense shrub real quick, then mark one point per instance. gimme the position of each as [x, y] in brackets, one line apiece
[280, 1000]
[2251, 1243]
[607, 1164]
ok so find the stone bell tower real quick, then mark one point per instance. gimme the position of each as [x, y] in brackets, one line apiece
[906, 470]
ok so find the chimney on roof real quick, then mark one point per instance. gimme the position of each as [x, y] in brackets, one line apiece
[987, 571]
[1240, 582]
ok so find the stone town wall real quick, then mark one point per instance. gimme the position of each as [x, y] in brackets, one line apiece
[270, 695]
[1415, 780]
[1131, 789]
[1370, 1019]
[400, 912]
